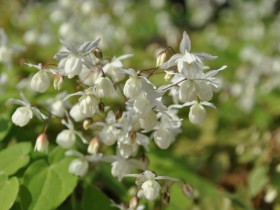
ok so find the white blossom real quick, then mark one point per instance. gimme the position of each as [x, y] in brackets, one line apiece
[150, 187]
[132, 87]
[66, 138]
[104, 88]
[22, 116]
[79, 167]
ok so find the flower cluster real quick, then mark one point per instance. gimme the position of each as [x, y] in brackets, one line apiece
[136, 116]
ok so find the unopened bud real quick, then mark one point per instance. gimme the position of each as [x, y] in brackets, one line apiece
[98, 53]
[118, 114]
[57, 81]
[101, 106]
[188, 190]
[87, 123]
[166, 197]
[132, 135]
[145, 160]
[93, 146]
[161, 57]
[133, 202]
[42, 143]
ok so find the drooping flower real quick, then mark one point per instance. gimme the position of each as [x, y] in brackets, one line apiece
[149, 186]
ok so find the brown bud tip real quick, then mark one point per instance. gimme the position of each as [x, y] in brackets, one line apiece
[118, 114]
[188, 190]
[98, 53]
[101, 106]
[166, 197]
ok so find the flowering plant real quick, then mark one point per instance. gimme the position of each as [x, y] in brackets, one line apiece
[135, 117]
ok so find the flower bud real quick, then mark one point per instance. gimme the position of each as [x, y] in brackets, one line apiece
[66, 138]
[166, 197]
[87, 123]
[104, 88]
[40, 82]
[133, 203]
[118, 114]
[73, 66]
[161, 57]
[88, 105]
[132, 87]
[22, 116]
[197, 114]
[188, 190]
[151, 189]
[98, 53]
[42, 143]
[101, 107]
[93, 146]
[78, 167]
[58, 81]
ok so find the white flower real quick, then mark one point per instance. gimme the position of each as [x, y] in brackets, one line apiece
[40, 82]
[150, 187]
[73, 65]
[163, 137]
[88, 105]
[79, 167]
[132, 87]
[149, 121]
[42, 143]
[115, 68]
[71, 60]
[197, 114]
[57, 108]
[88, 76]
[104, 88]
[66, 138]
[109, 134]
[121, 167]
[22, 116]
[76, 114]
[142, 106]
[187, 91]
[187, 62]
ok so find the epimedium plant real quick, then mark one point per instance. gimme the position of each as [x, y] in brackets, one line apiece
[116, 115]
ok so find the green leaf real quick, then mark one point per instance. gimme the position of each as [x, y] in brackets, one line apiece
[49, 184]
[14, 157]
[5, 125]
[94, 199]
[8, 191]
[257, 180]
